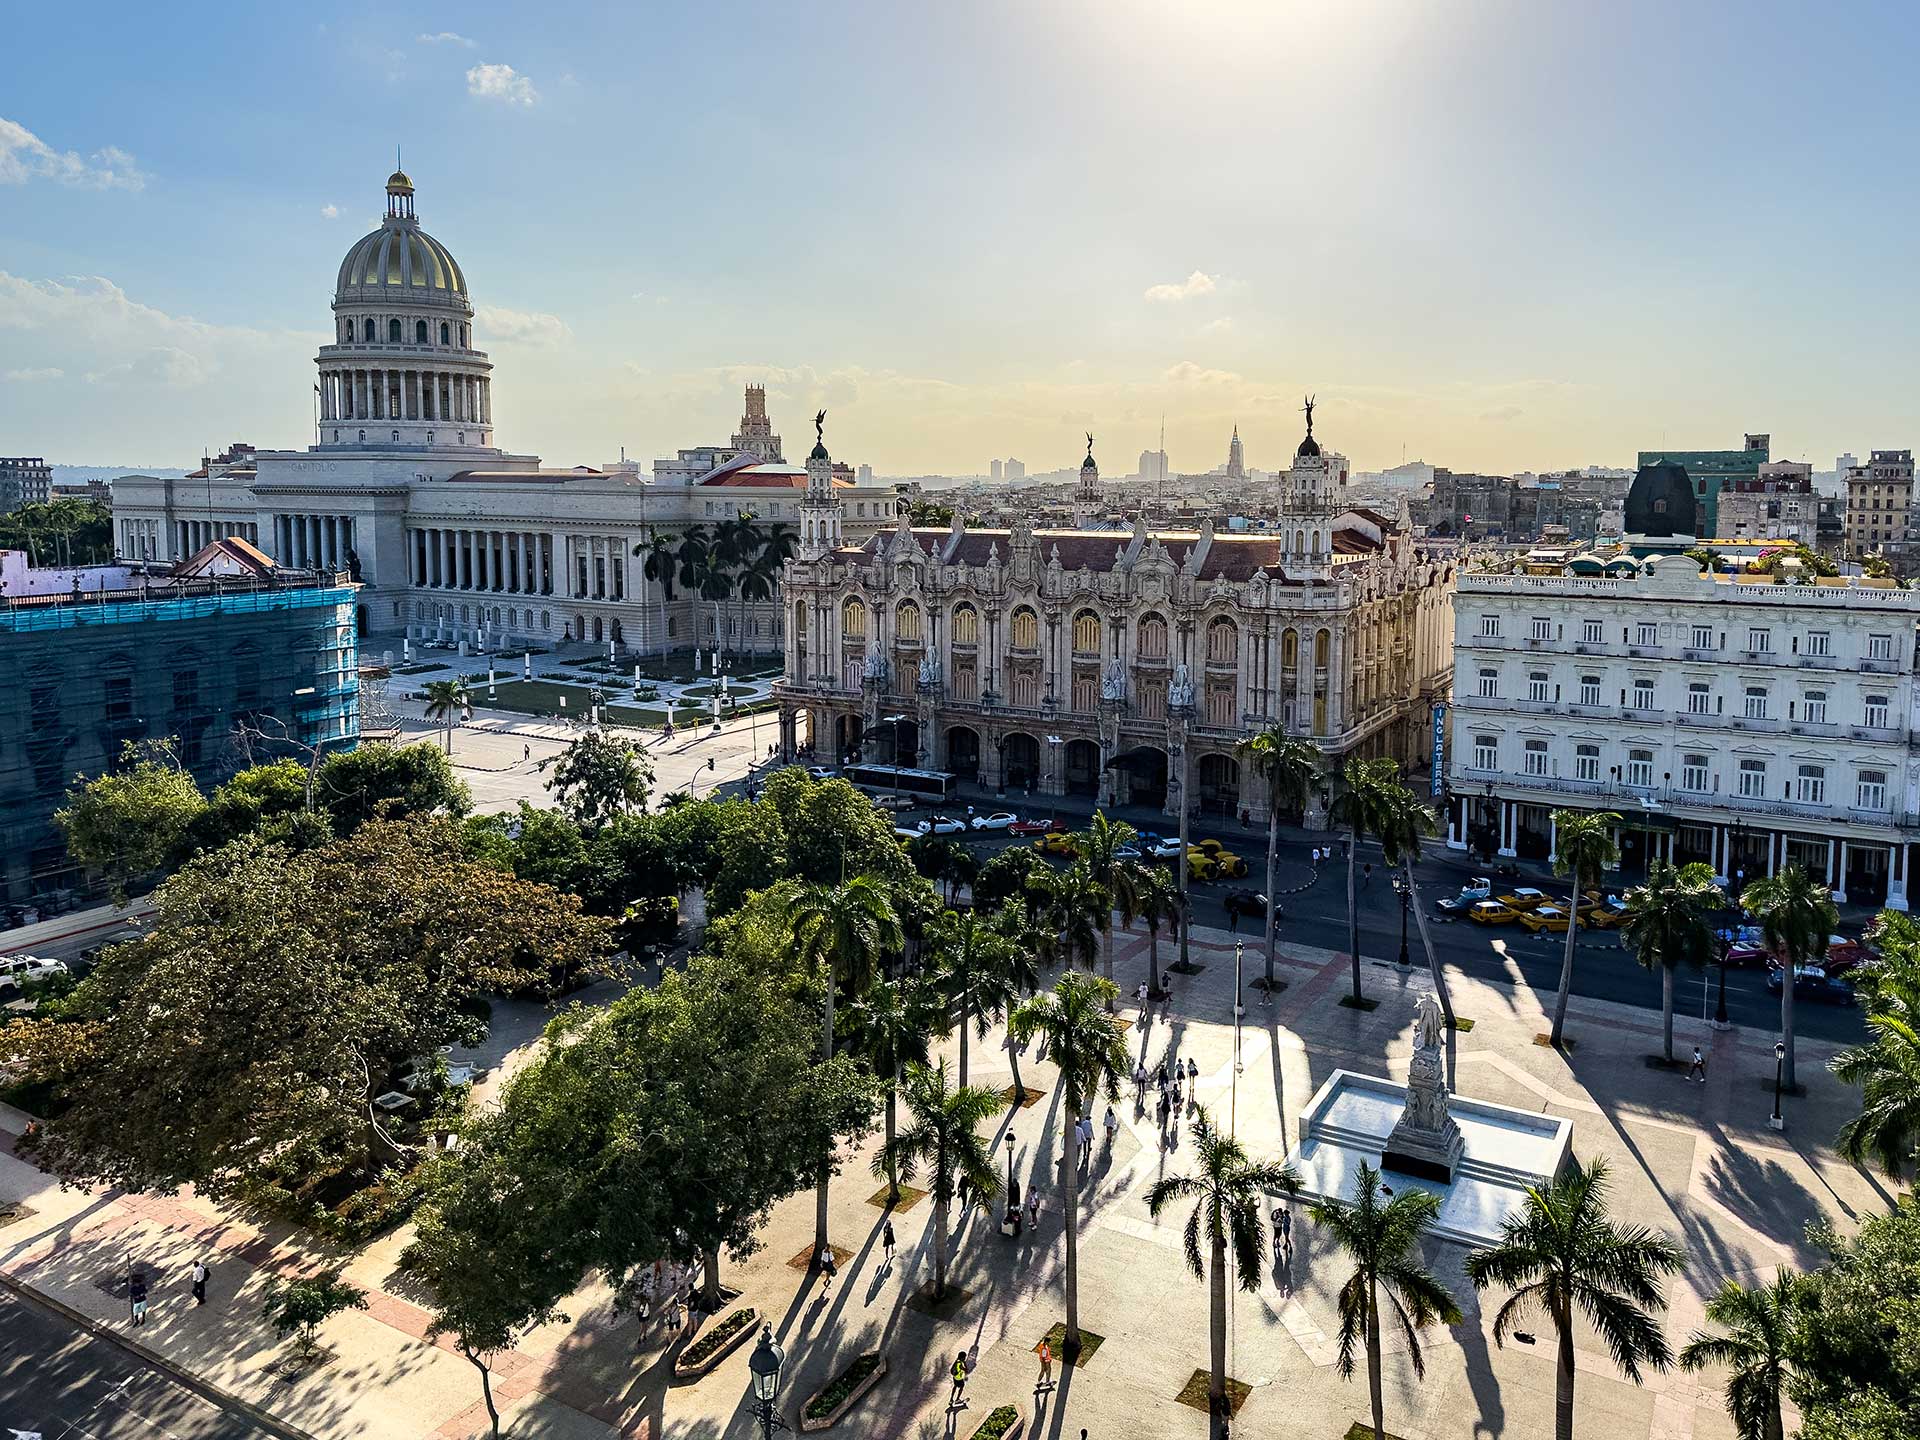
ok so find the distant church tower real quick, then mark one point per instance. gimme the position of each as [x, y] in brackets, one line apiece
[1089, 509]
[821, 511]
[1236, 458]
[756, 435]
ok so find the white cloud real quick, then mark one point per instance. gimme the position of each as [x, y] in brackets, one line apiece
[520, 327]
[163, 365]
[501, 82]
[25, 156]
[447, 37]
[332, 212]
[45, 372]
[1198, 283]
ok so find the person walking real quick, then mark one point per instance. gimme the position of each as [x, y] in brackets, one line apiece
[1284, 1215]
[1033, 1207]
[1193, 1075]
[526, 752]
[958, 1399]
[1045, 1382]
[1233, 921]
[200, 1281]
[1112, 1123]
[1366, 875]
[1698, 1069]
[1139, 1083]
[828, 1267]
[137, 1295]
[886, 1241]
[1140, 998]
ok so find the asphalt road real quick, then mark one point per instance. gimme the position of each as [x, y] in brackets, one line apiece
[1510, 954]
[61, 1383]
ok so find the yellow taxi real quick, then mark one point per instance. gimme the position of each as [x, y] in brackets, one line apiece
[1602, 914]
[1200, 865]
[1226, 864]
[1525, 898]
[1491, 912]
[1058, 843]
[1544, 918]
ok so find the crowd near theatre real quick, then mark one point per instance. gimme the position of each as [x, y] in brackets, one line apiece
[451, 537]
[1750, 721]
[1082, 661]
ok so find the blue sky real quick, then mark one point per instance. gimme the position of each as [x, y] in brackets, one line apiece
[1496, 236]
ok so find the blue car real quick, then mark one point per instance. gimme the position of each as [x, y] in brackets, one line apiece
[1813, 983]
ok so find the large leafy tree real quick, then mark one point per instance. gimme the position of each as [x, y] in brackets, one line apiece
[600, 777]
[1230, 1187]
[390, 782]
[1380, 1232]
[243, 1037]
[1855, 1354]
[1099, 847]
[1756, 1328]
[1290, 769]
[1886, 1132]
[1583, 847]
[67, 531]
[1669, 924]
[1084, 1042]
[134, 819]
[1563, 1254]
[890, 1025]
[1796, 914]
[943, 1135]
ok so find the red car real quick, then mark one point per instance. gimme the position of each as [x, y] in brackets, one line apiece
[1742, 955]
[1037, 827]
[1843, 954]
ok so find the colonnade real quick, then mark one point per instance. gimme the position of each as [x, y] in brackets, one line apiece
[509, 562]
[190, 537]
[313, 542]
[442, 395]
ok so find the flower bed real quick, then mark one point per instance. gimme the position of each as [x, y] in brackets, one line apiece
[1005, 1423]
[831, 1404]
[719, 1340]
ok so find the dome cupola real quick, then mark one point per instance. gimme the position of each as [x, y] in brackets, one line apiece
[400, 261]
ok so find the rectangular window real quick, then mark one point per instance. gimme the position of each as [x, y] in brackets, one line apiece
[1542, 628]
[1586, 762]
[1693, 773]
[1699, 699]
[119, 705]
[1810, 785]
[1756, 702]
[1536, 757]
[1589, 689]
[1819, 642]
[1486, 752]
[1702, 637]
[1879, 647]
[1816, 707]
[1876, 712]
[1537, 685]
[1590, 632]
[1489, 627]
[1640, 767]
[1872, 791]
[1489, 684]
[1759, 639]
[1753, 779]
[1643, 694]
[1644, 634]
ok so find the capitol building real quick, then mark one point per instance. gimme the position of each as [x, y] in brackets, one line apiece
[1093, 661]
[452, 537]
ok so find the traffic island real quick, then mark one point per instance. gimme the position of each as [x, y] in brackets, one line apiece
[829, 1406]
[13, 1212]
[713, 1345]
[1196, 1393]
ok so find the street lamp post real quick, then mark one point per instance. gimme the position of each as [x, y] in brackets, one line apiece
[1054, 742]
[1013, 1192]
[1720, 1021]
[1779, 1059]
[765, 1364]
[1406, 904]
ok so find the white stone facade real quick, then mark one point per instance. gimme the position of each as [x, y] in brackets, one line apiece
[1744, 724]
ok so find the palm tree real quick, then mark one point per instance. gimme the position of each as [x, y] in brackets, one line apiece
[944, 1135]
[1561, 1253]
[447, 700]
[1583, 847]
[1383, 1241]
[1073, 902]
[1230, 1186]
[1364, 805]
[1796, 915]
[761, 581]
[1154, 898]
[1084, 1042]
[661, 566]
[1759, 1323]
[1291, 768]
[839, 932]
[1887, 1070]
[1099, 846]
[966, 947]
[1669, 924]
[1013, 975]
[890, 1024]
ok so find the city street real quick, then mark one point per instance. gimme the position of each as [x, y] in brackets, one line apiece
[56, 1380]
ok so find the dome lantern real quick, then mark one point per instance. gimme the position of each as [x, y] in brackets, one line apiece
[399, 196]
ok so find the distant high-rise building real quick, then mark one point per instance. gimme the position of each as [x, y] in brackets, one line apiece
[24, 480]
[1236, 457]
[1845, 463]
[995, 470]
[1153, 465]
[866, 475]
[756, 435]
[1016, 469]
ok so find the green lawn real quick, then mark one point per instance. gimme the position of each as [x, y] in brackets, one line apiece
[542, 697]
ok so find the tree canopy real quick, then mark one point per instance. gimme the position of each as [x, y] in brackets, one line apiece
[600, 777]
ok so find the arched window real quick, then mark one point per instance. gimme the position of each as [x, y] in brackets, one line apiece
[370, 331]
[443, 333]
[800, 621]
[906, 621]
[1223, 643]
[1086, 633]
[1289, 648]
[393, 332]
[463, 337]
[1026, 629]
[853, 620]
[420, 332]
[966, 625]
[1151, 638]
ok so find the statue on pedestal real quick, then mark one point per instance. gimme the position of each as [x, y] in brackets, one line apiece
[1426, 1141]
[1180, 692]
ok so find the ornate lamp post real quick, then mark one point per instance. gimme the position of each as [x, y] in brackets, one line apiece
[1406, 904]
[1779, 1059]
[765, 1363]
[1179, 719]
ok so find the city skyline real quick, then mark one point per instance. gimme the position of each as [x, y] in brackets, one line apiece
[1458, 287]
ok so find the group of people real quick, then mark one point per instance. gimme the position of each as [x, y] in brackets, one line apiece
[1176, 1083]
[137, 1290]
[666, 1286]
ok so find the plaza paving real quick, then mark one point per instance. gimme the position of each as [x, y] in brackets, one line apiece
[1699, 1162]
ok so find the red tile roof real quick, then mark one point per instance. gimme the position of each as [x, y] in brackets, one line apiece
[1230, 557]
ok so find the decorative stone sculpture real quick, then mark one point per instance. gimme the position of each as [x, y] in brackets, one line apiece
[1426, 1141]
[1180, 691]
[1113, 684]
[876, 667]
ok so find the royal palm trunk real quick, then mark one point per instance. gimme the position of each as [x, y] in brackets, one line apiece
[826, 1163]
[1071, 1185]
[1566, 965]
[1666, 1010]
[1217, 1333]
[1353, 910]
[1563, 1379]
[1373, 1361]
[1786, 1016]
[1273, 855]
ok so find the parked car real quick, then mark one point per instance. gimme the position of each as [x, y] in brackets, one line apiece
[1160, 847]
[1812, 983]
[1200, 865]
[913, 829]
[1524, 898]
[1491, 912]
[1036, 827]
[1242, 901]
[22, 968]
[1544, 918]
[1603, 914]
[820, 772]
[998, 820]
[1226, 864]
[1478, 888]
[948, 825]
[1844, 954]
[1127, 852]
[1056, 842]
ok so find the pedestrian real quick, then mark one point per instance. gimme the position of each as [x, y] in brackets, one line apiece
[526, 752]
[137, 1295]
[1160, 1112]
[1139, 1083]
[1699, 1066]
[1045, 1381]
[1033, 1207]
[1160, 1077]
[1179, 1075]
[1316, 857]
[646, 1297]
[1193, 1072]
[1140, 997]
[957, 1400]
[828, 1265]
[886, 1241]
[1366, 874]
[1112, 1123]
[1233, 921]
[1285, 1217]
[200, 1278]
[969, 814]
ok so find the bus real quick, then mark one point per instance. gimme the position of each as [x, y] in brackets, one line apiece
[927, 785]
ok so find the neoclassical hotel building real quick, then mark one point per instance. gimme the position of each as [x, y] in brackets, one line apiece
[450, 536]
[1083, 661]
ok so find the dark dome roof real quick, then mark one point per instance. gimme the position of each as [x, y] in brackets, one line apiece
[1087, 464]
[1308, 446]
[819, 451]
[1660, 502]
